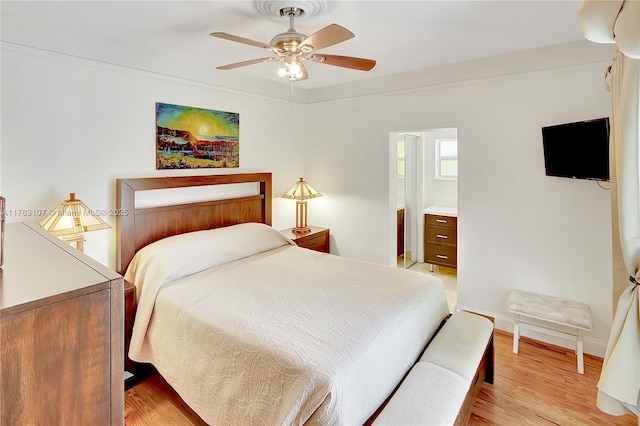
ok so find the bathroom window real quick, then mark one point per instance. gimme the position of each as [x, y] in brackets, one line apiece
[447, 159]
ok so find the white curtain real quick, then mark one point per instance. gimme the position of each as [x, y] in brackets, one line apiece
[619, 385]
[618, 21]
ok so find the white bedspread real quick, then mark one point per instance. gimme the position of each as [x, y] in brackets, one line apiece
[287, 336]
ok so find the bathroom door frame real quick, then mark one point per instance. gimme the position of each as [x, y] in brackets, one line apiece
[393, 197]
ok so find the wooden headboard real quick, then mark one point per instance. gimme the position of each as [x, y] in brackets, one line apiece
[138, 227]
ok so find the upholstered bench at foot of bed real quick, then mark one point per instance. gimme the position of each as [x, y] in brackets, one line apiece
[443, 385]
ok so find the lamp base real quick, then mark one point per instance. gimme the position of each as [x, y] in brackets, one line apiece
[78, 239]
[301, 218]
[301, 230]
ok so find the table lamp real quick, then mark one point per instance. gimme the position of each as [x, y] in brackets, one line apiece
[301, 191]
[70, 219]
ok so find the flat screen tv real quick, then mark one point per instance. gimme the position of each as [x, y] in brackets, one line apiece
[577, 150]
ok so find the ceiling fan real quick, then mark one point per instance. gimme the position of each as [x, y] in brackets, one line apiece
[294, 48]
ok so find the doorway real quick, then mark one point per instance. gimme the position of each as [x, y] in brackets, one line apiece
[422, 174]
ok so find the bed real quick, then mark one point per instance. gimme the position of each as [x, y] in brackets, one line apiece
[248, 328]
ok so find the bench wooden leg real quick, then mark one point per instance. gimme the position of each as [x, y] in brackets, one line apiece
[489, 370]
[580, 351]
[516, 332]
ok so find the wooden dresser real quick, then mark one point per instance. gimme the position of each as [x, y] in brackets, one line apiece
[441, 236]
[61, 334]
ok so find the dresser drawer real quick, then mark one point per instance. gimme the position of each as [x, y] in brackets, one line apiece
[432, 219]
[441, 235]
[441, 255]
[317, 242]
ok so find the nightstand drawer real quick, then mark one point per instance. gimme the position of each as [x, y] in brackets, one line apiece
[441, 255]
[316, 238]
[442, 235]
[317, 243]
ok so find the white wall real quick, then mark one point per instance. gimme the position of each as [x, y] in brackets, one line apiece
[517, 227]
[73, 124]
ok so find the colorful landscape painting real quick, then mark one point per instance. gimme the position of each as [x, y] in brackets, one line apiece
[191, 138]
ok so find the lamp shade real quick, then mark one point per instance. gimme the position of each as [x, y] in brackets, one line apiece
[72, 216]
[301, 190]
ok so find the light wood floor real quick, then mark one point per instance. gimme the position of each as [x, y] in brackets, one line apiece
[539, 386]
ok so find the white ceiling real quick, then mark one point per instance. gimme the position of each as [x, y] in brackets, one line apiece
[400, 35]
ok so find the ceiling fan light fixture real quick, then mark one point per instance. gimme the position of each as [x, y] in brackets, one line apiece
[291, 70]
[294, 68]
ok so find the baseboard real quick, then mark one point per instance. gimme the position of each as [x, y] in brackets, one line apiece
[595, 347]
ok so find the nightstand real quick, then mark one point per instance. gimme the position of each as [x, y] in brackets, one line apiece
[316, 239]
[130, 306]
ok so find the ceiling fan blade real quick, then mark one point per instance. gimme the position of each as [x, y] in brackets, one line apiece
[344, 61]
[245, 63]
[325, 37]
[241, 40]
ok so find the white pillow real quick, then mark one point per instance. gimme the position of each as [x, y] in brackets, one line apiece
[185, 254]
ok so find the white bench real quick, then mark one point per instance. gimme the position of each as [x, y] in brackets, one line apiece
[553, 310]
[442, 386]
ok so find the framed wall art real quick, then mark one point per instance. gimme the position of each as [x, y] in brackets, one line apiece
[192, 138]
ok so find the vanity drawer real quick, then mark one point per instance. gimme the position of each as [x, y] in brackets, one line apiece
[441, 255]
[432, 219]
[441, 235]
